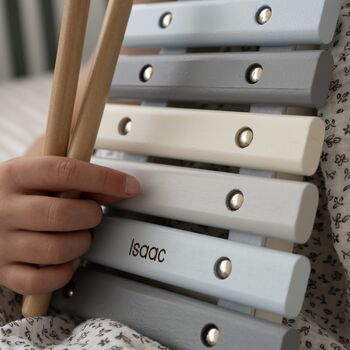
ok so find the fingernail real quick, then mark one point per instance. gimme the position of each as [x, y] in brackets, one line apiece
[76, 264]
[132, 186]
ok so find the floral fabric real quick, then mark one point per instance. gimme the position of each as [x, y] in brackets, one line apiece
[324, 323]
[325, 320]
[62, 332]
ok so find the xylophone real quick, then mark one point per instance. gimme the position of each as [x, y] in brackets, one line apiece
[220, 154]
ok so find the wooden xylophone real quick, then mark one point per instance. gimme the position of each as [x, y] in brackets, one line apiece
[220, 155]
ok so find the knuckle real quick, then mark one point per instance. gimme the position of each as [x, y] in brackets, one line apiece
[6, 214]
[7, 171]
[31, 284]
[53, 251]
[52, 212]
[37, 283]
[27, 285]
[105, 177]
[66, 169]
[56, 214]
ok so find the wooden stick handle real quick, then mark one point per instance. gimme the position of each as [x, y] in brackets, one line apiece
[65, 82]
[66, 76]
[91, 107]
[99, 80]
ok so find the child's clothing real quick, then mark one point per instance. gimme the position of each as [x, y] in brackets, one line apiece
[63, 332]
[325, 320]
[324, 323]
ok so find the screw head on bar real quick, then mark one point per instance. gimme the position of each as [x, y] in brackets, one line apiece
[211, 335]
[127, 127]
[166, 20]
[124, 126]
[223, 268]
[254, 74]
[234, 200]
[146, 73]
[264, 15]
[245, 137]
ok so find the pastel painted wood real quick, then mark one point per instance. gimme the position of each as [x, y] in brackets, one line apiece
[172, 319]
[298, 78]
[290, 144]
[202, 197]
[263, 278]
[233, 23]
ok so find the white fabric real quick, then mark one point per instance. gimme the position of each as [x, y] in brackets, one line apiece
[23, 112]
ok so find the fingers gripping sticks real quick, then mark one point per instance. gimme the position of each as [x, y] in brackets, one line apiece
[92, 94]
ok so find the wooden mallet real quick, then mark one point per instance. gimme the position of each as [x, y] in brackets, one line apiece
[93, 92]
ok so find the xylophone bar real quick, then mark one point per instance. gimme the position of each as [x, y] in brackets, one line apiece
[232, 23]
[174, 320]
[290, 144]
[263, 278]
[298, 78]
[204, 197]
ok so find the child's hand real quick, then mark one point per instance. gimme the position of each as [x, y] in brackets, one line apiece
[36, 229]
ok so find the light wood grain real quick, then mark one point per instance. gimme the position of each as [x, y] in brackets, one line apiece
[69, 55]
[65, 82]
[89, 105]
[99, 79]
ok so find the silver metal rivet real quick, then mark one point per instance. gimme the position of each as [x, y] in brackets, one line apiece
[223, 268]
[128, 126]
[124, 126]
[244, 137]
[264, 15]
[146, 73]
[68, 291]
[234, 200]
[254, 74]
[211, 335]
[166, 20]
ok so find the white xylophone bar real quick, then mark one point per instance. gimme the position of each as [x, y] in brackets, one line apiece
[274, 208]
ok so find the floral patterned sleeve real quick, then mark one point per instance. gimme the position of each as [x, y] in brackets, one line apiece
[62, 332]
[325, 320]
